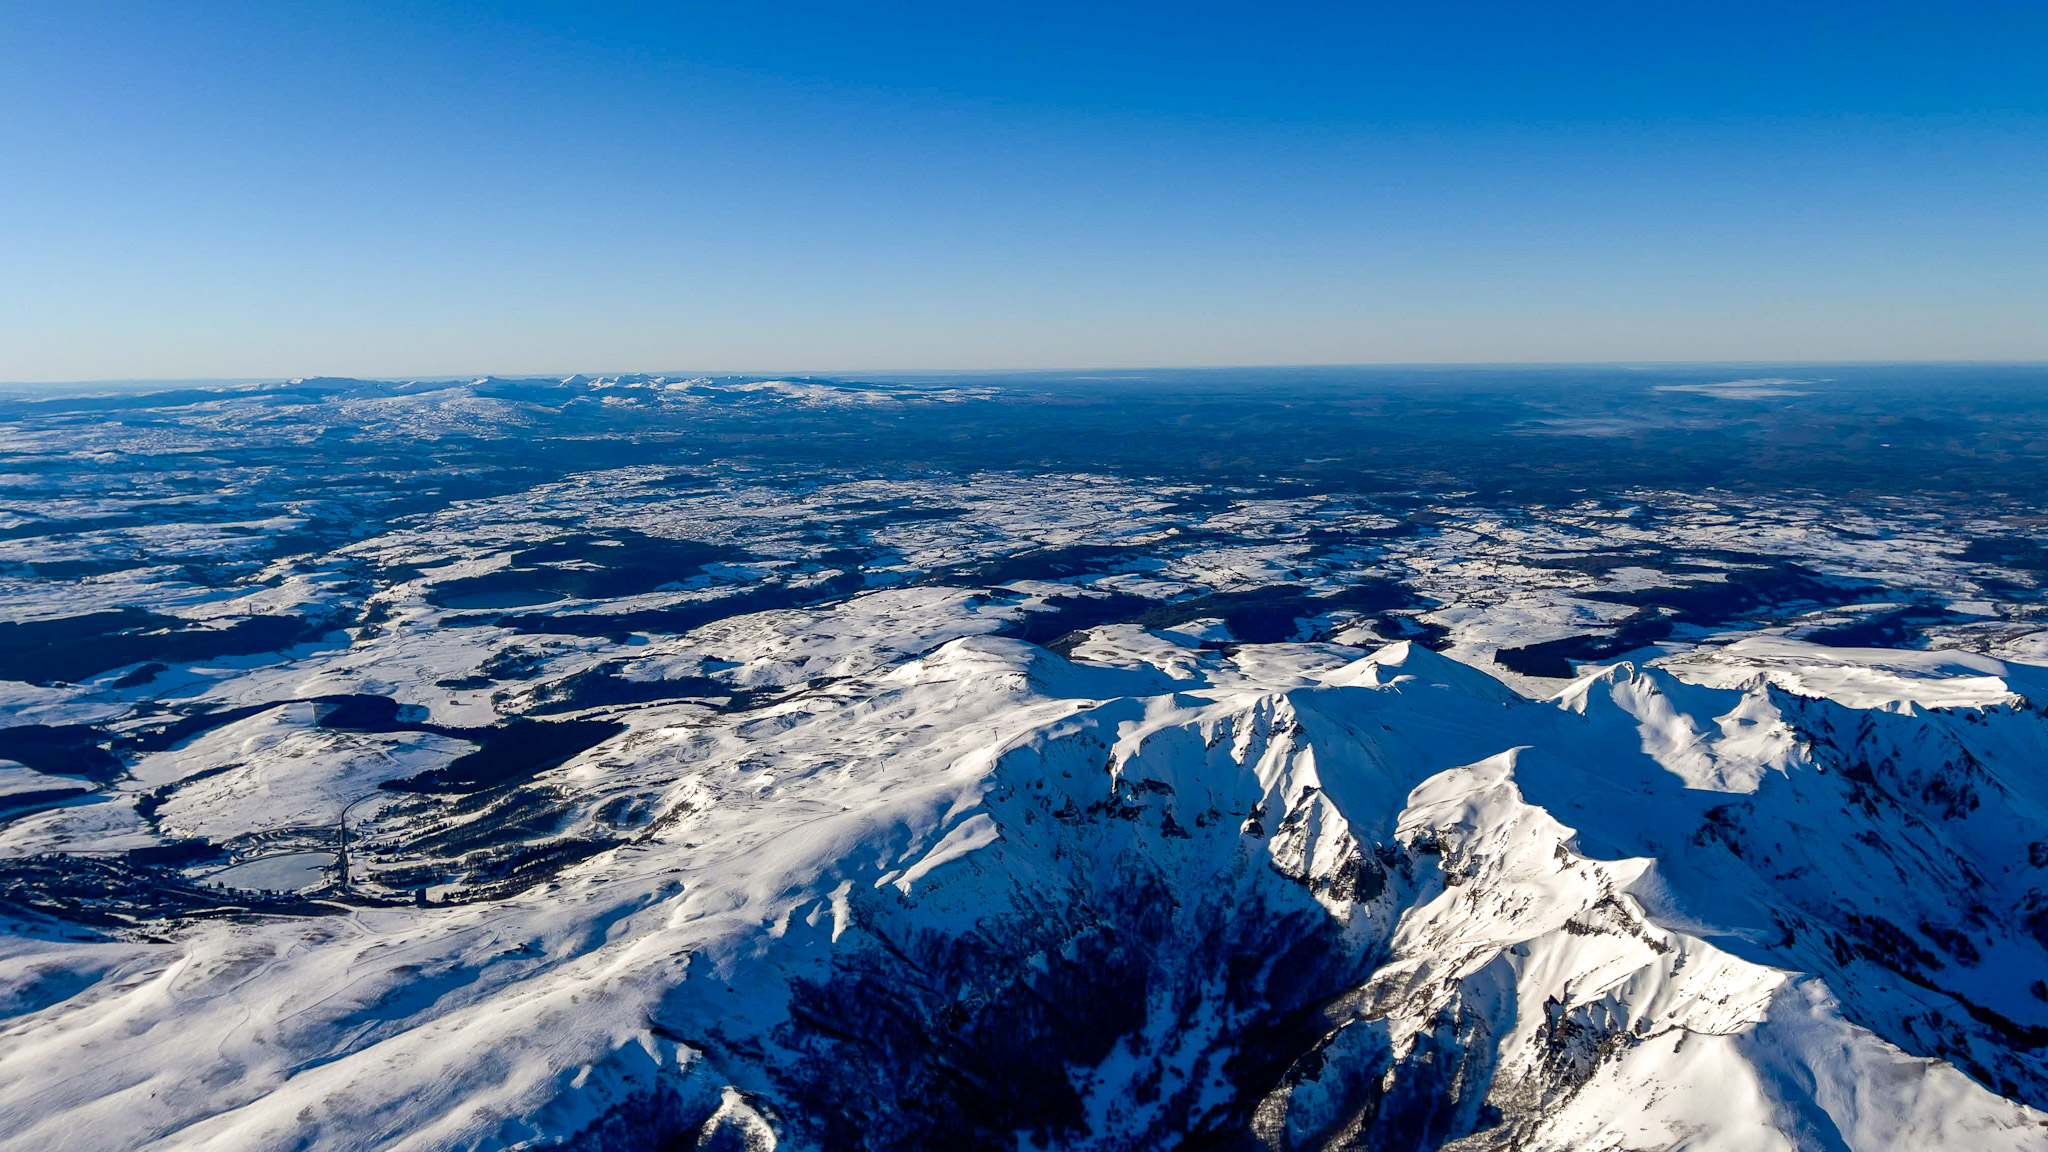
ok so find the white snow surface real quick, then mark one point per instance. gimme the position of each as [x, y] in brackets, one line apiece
[1613, 985]
[842, 857]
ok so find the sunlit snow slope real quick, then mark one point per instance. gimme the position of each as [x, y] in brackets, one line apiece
[1589, 760]
[1289, 897]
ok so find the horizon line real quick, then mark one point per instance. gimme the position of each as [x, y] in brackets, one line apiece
[844, 373]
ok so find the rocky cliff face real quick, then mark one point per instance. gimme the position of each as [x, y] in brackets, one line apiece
[1323, 918]
[1278, 899]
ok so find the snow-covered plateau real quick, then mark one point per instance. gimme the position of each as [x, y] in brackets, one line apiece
[640, 763]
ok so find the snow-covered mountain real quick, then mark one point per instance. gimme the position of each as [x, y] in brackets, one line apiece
[509, 796]
[1291, 897]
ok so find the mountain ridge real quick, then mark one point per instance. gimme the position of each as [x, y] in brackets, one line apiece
[1420, 951]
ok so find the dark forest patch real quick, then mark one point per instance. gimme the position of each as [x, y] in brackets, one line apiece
[30, 529]
[504, 664]
[1554, 658]
[1744, 590]
[177, 853]
[1897, 628]
[505, 753]
[1057, 617]
[1258, 616]
[2008, 552]
[72, 648]
[185, 727]
[1271, 615]
[882, 513]
[583, 566]
[601, 686]
[78, 569]
[61, 750]
[509, 752]
[1048, 564]
[139, 675]
[1703, 603]
[1324, 541]
[682, 617]
[16, 804]
[362, 712]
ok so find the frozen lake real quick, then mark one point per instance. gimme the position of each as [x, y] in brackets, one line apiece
[289, 872]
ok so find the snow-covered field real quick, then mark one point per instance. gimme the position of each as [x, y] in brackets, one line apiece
[427, 767]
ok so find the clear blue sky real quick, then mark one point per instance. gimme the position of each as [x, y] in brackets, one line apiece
[229, 189]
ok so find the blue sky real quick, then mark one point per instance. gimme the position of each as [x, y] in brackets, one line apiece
[385, 189]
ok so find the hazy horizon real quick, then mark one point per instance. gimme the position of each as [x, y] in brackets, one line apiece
[1070, 371]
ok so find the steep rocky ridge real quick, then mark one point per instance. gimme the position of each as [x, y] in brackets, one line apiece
[1285, 897]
